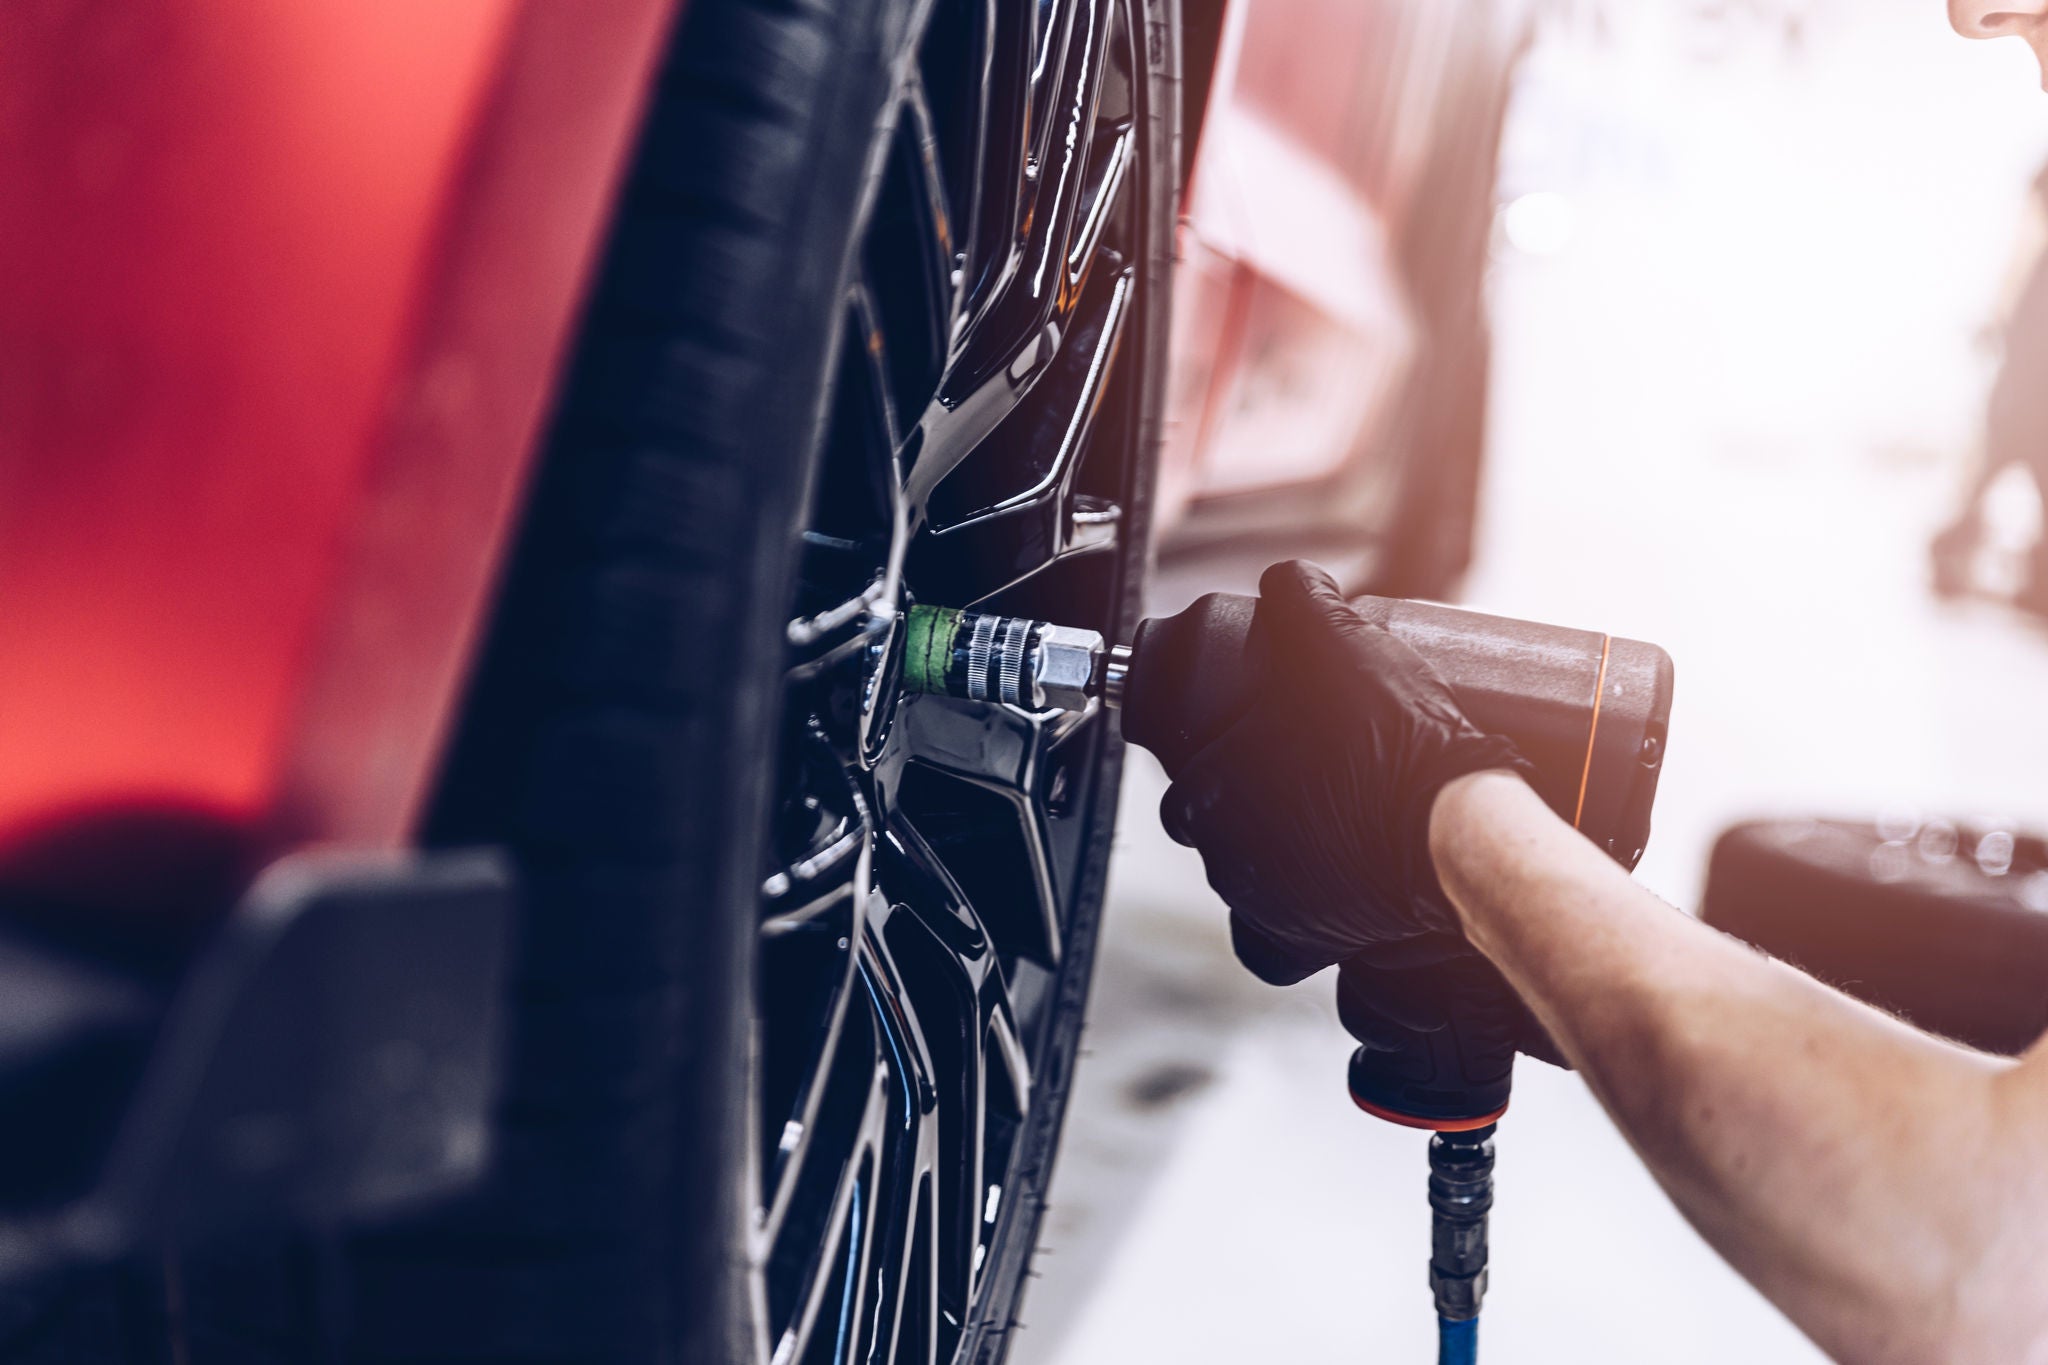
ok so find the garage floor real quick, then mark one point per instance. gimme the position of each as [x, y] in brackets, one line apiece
[1734, 393]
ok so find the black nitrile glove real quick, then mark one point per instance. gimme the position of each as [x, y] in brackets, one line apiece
[1386, 999]
[1437, 1041]
[1311, 811]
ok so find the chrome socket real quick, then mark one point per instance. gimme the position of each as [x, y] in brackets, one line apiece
[976, 656]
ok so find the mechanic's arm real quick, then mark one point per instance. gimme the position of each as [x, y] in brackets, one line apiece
[1887, 1190]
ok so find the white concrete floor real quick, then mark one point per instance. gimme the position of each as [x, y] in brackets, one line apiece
[1729, 410]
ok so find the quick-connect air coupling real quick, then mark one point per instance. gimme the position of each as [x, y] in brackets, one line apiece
[1007, 659]
[1460, 1198]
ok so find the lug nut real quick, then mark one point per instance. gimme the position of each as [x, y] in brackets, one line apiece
[1063, 667]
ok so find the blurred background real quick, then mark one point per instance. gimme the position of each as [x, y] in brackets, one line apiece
[1750, 276]
[480, 874]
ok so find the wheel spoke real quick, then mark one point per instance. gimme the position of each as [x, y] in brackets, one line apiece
[863, 1252]
[989, 746]
[1102, 206]
[979, 166]
[1067, 163]
[1060, 137]
[865, 470]
[820, 1264]
[865, 319]
[997, 750]
[1050, 447]
[937, 236]
[795, 1139]
[915, 1143]
[885, 472]
[959, 421]
[1071, 124]
[1110, 165]
[1002, 1106]
[938, 904]
[952, 974]
[813, 911]
[1011, 509]
[1040, 307]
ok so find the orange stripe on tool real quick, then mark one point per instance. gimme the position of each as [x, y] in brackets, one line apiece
[1599, 691]
[1465, 1125]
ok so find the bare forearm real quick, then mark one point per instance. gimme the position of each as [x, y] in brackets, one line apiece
[1838, 1158]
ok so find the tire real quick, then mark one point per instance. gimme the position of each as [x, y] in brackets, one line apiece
[666, 690]
[1940, 925]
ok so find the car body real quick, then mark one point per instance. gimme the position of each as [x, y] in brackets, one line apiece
[428, 667]
[1299, 318]
[284, 312]
[288, 290]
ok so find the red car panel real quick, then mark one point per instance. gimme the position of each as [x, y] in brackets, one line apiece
[287, 286]
[1293, 330]
[288, 290]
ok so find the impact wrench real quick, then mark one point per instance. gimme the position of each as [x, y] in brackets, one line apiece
[1588, 711]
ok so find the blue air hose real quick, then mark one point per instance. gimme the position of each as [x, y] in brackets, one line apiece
[1460, 1197]
[1457, 1341]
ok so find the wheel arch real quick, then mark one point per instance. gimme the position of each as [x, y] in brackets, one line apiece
[284, 317]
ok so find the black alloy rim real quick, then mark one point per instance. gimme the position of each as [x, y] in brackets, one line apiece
[927, 854]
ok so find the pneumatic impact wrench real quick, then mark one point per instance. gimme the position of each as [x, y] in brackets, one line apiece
[1589, 712]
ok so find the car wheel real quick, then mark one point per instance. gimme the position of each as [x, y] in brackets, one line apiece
[929, 908]
[803, 958]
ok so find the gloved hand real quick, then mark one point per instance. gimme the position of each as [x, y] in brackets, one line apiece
[1437, 1041]
[1388, 996]
[1312, 810]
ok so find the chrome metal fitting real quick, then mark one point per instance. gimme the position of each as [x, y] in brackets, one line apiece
[1116, 671]
[1010, 660]
[1063, 667]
